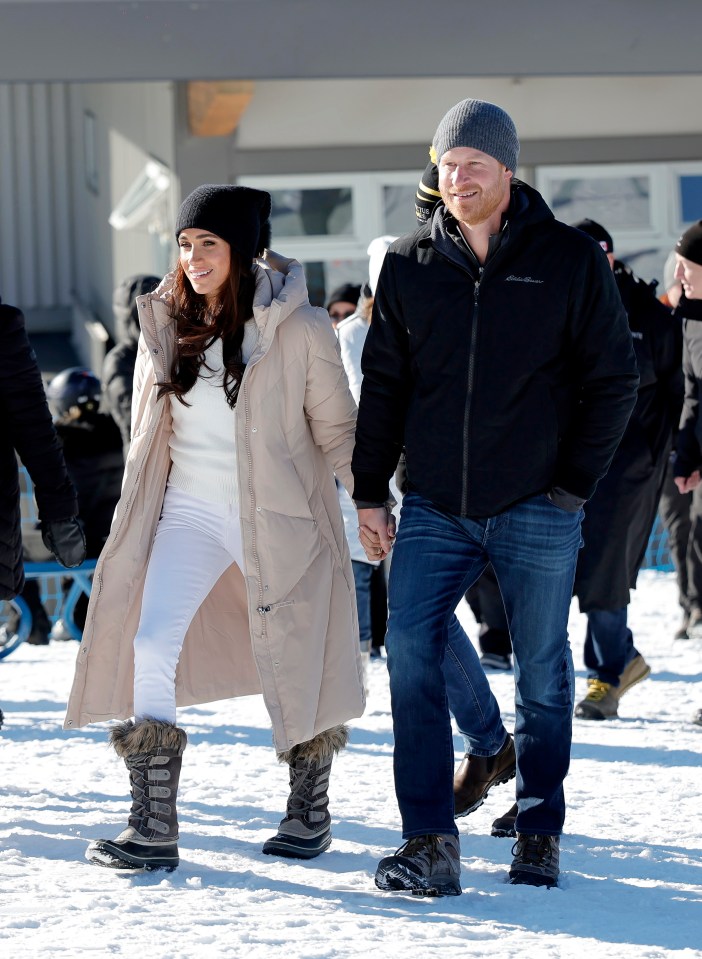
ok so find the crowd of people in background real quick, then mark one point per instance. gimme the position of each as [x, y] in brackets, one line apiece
[412, 439]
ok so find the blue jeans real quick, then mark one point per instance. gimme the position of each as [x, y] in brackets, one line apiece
[362, 573]
[609, 645]
[533, 549]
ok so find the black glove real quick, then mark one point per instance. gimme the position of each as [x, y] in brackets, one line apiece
[65, 539]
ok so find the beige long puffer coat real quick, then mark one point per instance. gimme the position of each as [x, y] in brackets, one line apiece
[288, 626]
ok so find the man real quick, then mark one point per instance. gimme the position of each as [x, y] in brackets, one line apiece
[687, 462]
[620, 515]
[499, 356]
[29, 433]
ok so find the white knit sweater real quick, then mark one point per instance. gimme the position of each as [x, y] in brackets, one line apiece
[203, 444]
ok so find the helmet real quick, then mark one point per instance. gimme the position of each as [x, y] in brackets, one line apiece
[76, 386]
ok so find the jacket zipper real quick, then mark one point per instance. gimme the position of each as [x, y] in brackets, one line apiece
[266, 609]
[469, 392]
[249, 458]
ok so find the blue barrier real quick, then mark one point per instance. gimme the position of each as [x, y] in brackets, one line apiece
[58, 603]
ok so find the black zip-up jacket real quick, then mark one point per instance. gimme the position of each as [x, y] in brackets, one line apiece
[501, 382]
[688, 456]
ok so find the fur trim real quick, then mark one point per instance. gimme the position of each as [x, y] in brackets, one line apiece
[322, 748]
[134, 739]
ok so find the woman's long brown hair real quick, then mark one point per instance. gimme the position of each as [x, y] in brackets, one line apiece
[199, 324]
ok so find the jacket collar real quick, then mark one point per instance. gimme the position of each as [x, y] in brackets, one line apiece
[527, 207]
[280, 289]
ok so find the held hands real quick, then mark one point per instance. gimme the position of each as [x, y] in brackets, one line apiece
[65, 539]
[376, 531]
[686, 484]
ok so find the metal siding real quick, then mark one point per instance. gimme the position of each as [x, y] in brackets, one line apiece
[61, 187]
[8, 252]
[35, 257]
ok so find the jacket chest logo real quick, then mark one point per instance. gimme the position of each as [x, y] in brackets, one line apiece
[521, 279]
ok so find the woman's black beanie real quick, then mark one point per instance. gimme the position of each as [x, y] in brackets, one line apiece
[238, 214]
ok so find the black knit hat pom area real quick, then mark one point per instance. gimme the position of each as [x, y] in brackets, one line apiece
[238, 214]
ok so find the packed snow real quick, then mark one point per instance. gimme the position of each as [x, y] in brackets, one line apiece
[631, 860]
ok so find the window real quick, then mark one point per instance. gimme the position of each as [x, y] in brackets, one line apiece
[326, 221]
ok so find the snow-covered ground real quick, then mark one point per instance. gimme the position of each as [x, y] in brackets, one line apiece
[631, 881]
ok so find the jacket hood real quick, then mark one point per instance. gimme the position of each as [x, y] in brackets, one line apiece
[124, 306]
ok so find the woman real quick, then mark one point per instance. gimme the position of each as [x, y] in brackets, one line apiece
[226, 571]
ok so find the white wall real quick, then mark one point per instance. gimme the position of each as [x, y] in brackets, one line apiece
[307, 113]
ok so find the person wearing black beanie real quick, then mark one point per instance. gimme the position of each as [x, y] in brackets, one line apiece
[687, 462]
[227, 571]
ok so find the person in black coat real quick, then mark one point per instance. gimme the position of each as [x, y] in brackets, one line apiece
[118, 366]
[28, 432]
[92, 447]
[620, 515]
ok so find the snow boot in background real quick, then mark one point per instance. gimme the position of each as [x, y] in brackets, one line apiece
[152, 751]
[306, 830]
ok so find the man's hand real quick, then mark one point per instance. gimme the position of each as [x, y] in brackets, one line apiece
[376, 531]
[686, 484]
[65, 539]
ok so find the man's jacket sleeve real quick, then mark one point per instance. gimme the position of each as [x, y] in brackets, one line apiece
[385, 390]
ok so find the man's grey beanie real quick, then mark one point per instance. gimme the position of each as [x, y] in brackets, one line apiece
[482, 126]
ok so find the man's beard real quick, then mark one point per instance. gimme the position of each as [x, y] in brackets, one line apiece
[479, 209]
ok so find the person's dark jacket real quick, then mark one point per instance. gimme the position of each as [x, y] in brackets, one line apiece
[688, 455]
[118, 366]
[92, 447]
[502, 382]
[26, 430]
[619, 517]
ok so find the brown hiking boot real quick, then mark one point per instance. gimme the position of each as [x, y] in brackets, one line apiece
[478, 774]
[600, 703]
[633, 673]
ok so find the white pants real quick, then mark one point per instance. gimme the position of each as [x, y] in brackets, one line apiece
[195, 542]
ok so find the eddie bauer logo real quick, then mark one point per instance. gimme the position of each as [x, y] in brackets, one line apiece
[521, 279]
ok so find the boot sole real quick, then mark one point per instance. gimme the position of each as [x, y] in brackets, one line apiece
[520, 878]
[399, 879]
[291, 847]
[110, 855]
[505, 778]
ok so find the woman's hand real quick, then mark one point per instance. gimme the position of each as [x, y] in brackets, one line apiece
[376, 531]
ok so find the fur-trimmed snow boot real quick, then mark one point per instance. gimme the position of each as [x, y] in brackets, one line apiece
[152, 751]
[306, 830]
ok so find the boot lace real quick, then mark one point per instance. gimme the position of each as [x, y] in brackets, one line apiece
[139, 790]
[597, 690]
[425, 850]
[534, 850]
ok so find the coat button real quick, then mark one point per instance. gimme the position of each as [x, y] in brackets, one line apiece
[258, 509]
[254, 430]
[155, 351]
